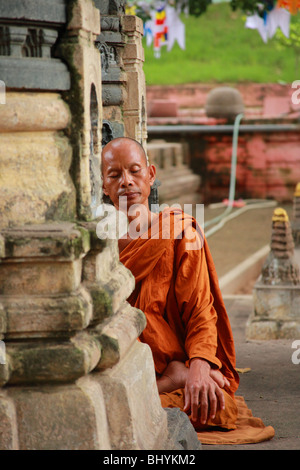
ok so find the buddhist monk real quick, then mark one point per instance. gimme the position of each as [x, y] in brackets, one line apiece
[187, 329]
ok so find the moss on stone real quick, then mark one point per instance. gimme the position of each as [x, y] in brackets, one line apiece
[74, 98]
[102, 304]
[110, 351]
[11, 242]
[45, 362]
[77, 245]
[61, 208]
[140, 321]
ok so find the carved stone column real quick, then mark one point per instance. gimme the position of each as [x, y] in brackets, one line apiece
[123, 80]
[35, 156]
[135, 121]
[47, 400]
[75, 376]
[110, 43]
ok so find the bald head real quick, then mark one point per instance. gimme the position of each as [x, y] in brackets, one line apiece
[126, 172]
[126, 143]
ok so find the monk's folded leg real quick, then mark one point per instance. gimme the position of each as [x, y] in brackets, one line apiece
[225, 419]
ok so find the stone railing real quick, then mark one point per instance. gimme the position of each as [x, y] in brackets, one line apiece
[178, 184]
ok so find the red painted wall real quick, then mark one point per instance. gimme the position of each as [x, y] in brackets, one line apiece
[268, 165]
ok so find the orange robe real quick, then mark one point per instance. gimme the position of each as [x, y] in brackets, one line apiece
[178, 290]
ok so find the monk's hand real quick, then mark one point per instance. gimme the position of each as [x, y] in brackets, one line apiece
[202, 393]
[219, 378]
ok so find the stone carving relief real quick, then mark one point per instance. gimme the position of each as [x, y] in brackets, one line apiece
[107, 132]
[4, 40]
[28, 38]
[109, 23]
[117, 7]
[22, 41]
[109, 59]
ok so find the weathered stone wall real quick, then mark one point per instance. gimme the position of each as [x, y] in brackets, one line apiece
[75, 376]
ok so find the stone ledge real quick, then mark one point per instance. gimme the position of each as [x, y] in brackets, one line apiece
[33, 112]
[34, 10]
[55, 417]
[84, 16]
[270, 329]
[34, 73]
[61, 240]
[34, 316]
[119, 334]
[38, 278]
[33, 362]
[132, 23]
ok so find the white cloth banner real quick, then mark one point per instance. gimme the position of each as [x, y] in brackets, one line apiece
[277, 18]
[176, 29]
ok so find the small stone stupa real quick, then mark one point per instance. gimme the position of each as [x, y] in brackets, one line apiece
[280, 267]
[296, 217]
[276, 295]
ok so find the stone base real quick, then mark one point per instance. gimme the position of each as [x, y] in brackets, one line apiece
[276, 313]
[135, 417]
[117, 409]
[63, 417]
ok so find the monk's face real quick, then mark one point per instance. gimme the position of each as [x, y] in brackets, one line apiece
[125, 173]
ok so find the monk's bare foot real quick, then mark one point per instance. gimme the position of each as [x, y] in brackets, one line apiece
[173, 377]
[219, 378]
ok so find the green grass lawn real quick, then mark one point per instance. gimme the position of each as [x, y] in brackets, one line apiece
[220, 49]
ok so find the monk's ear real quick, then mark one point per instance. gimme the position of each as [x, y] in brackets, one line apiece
[152, 174]
[103, 188]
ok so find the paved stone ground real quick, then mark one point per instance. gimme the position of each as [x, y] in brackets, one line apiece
[272, 387]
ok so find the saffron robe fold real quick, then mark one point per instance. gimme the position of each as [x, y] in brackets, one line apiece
[177, 288]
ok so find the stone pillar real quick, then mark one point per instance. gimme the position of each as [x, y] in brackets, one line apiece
[75, 376]
[35, 155]
[110, 43]
[276, 295]
[123, 80]
[135, 113]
